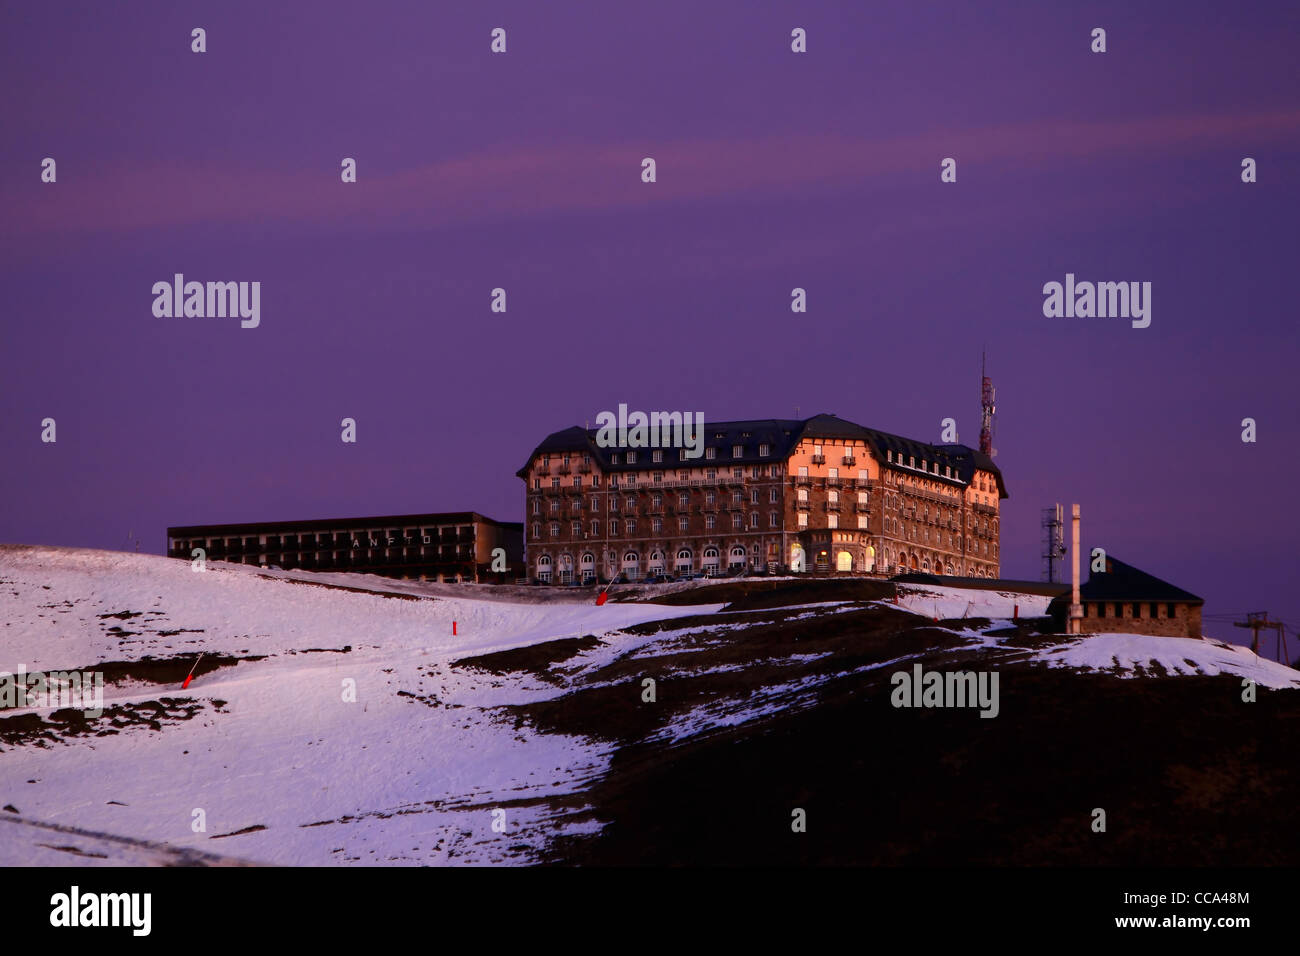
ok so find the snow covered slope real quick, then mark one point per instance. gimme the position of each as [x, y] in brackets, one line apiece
[335, 720]
[283, 768]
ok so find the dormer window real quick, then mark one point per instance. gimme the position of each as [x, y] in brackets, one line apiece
[737, 451]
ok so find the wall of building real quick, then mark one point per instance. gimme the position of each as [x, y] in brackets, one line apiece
[430, 548]
[830, 504]
[1120, 618]
[603, 524]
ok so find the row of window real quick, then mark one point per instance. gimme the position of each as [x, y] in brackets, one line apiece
[326, 540]
[657, 501]
[936, 564]
[710, 453]
[657, 455]
[631, 564]
[629, 526]
[1118, 609]
[658, 477]
[931, 468]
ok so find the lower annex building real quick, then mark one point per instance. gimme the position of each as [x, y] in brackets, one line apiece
[452, 546]
[819, 494]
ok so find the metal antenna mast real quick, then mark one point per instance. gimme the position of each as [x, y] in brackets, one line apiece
[1053, 541]
[987, 409]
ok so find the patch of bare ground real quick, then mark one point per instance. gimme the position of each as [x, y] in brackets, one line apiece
[535, 659]
[720, 664]
[35, 729]
[1187, 773]
[757, 593]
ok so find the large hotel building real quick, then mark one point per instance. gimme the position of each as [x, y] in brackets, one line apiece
[816, 494]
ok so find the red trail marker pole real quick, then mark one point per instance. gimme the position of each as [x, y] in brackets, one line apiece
[190, 676]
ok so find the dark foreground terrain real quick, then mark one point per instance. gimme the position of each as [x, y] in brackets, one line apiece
[1186, 772]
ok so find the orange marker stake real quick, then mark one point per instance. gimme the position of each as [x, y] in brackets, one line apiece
[190, 676]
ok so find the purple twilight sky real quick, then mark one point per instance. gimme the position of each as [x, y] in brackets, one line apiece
[775, 170]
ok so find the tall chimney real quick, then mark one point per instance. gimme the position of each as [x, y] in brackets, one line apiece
[1076, 609]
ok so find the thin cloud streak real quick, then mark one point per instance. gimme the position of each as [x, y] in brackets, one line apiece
[581, 177]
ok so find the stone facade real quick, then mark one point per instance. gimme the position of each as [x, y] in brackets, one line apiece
[819, 495]
[1164, 618]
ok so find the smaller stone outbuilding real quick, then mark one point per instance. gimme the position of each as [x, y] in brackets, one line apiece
[1126, 600]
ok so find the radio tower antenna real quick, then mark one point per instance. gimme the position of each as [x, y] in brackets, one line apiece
[1053, 541]
[988, 408]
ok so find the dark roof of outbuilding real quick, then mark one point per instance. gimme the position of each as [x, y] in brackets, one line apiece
[783, 434]
[1123, 582]
[325, 524]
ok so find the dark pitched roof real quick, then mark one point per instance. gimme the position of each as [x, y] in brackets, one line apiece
[780, 433]
[326, 524]
[783, 434]
[1123, 582]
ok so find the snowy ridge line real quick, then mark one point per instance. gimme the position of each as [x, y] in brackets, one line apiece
[1177, 656]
